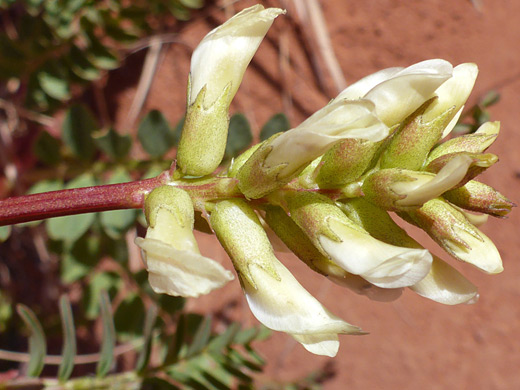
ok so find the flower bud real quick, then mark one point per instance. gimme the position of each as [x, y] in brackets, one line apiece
[296, 240]
[273, 294]
[399, 189]
[350, 247]
[443, 283]
[345, 162]
[217, 67]
[285, 155]
[477, 142]
[456, 235]
[170, 252]
[479, 197]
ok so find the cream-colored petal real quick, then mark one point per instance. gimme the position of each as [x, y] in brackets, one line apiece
[381, 264]
[360, 88]
[224, 53]
[180, 272]
[336, 121]
[444, 284]
[401, 95]
[362, 287]
[428, 187]
[454, 92]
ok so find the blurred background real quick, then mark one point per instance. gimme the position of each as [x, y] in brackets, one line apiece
[92, 92]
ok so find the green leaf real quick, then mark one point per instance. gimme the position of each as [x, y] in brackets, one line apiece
[114, 145]
[155, 134]
[117, 222]
[78, 126]
[201, 338]
[47, 148]
[106, 359]
[193, 3]
[225, 339]
[239, 135]
[144, 356]
[81, 66]
[276, 124]
[69, 340]
[37, 343]
[54, 81]
[72, 227]
[5, 232]
[79, 258]
[101, 56]
[490, 98]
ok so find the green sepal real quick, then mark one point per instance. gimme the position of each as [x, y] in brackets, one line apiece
[377, 187]
[472, 143]
[241, 234]
[170, 198]
[204, 134]
[256, 179]
[312, 212]
[298, 242]
[439, 219]
[413, 140]
[345, 162]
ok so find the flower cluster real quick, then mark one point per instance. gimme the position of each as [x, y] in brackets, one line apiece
[325, 188]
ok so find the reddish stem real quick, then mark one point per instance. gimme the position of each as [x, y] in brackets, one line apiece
[78, 200]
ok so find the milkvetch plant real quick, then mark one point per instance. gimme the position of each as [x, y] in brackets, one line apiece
[324, 187]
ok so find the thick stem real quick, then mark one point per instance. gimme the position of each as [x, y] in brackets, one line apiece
[78, 200]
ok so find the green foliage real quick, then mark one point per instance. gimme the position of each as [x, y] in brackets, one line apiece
[59, 45]
[155, 134]
[69, 340]
[78, 126]
[276, 124]
[37, 344]
[239, 135]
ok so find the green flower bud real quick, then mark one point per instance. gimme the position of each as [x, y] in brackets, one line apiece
[479, 197]
[346, 162]
[456, 235]
[477, 142]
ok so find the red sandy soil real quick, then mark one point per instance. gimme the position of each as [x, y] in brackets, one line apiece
[413, 343]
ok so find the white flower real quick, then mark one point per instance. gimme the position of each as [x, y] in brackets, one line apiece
[284, 305]
[184, 273]
[381, 264]
[222, 56]
[336, 121]
[274, 295]
[398, 92]
[170, 252]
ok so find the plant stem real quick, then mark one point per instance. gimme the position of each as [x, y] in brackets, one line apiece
[78, 200]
